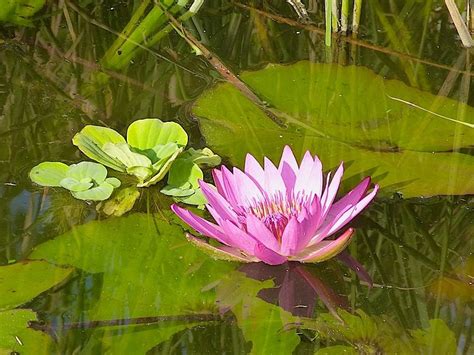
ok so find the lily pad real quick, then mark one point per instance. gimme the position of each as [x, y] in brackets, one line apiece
[23, 281]
[346, 114]
[16, 337]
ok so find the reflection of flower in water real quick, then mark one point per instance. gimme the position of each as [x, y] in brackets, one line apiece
[296, 289]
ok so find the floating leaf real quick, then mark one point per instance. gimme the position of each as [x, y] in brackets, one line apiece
[345, 114]
[184, 172]
[48, 173]
[85, 180]
[203, 157]
[91, 140]
[17, 338]
[98, 193]
[148, 133]
[23, 281]
[87, 171]
[122, 152]
[173, 278]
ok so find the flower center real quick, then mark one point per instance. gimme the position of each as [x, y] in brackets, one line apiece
[276, 223]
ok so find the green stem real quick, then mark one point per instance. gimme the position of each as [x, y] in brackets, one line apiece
[328, 12]
[356, 17]
[344, 16]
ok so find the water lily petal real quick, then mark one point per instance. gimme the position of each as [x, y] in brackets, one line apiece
[222, 207]
[331, 190]
[200, 224]
[248, 191]
[218, 181]
[348, 215]
[309, 181]
[268, 256]
[257, 229]
[291, 234]
[288, 168]
[230, 187]
[253, 169]
[274, 186]
[239, 238]
[325, 249]
[350, 199]
[221, 253]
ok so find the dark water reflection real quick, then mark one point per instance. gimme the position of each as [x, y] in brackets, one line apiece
[417, 251]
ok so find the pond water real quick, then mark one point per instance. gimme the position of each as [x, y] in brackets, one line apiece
[393, 103]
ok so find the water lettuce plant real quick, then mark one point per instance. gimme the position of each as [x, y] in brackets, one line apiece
[151, 150]
[279, 214]
[85, 180]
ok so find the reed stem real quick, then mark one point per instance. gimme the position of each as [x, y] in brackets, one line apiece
[328, 13]
[356, 17]
[459, 23]
[344, 16]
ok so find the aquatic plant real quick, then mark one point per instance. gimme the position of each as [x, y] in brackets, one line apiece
[152, 149]
[85, 180]
[18, 12]
[279, 214]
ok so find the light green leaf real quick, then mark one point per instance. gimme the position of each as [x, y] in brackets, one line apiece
[337, 350]
[23, 281]
[345, 114]
[113, 181]
[17, 337]
[176, 191]
[91, 140]
[161, 153]
[48, 173]
[74, 185]
[174, 276]
[162, 166]
[184, 171]
[97, 193]
[128, 158]
[87, 170]
[203, 157]
[197, 199]
[148, 133]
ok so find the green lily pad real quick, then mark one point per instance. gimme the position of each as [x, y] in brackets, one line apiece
[16, 337]
[23, 281]
[174, 275]
[346, 114]
[49, 173]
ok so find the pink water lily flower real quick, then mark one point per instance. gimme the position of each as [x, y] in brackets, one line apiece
[277, 214]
